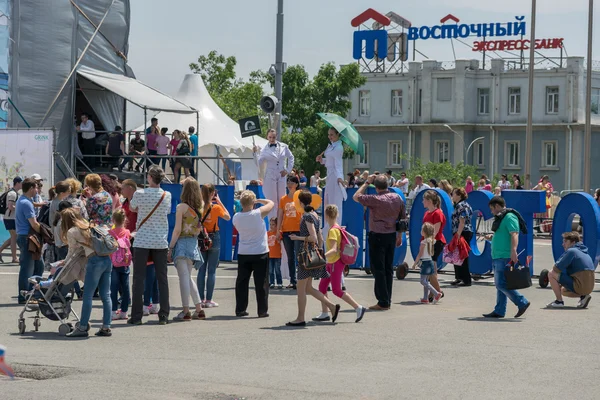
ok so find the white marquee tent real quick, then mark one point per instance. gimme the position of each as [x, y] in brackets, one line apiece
[216, 130]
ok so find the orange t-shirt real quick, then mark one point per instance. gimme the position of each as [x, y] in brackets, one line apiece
[211, 223]
[274, 245]
[291, 216]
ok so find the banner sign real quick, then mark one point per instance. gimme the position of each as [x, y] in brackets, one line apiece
[249, 126]
[30, 153]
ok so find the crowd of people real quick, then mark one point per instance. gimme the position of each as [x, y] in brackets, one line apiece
[138, 221]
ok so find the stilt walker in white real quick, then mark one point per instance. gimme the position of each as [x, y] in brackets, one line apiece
[332, 158]
[280, 161]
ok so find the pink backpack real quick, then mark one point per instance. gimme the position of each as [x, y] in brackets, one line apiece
[348, 247]
[122, 257]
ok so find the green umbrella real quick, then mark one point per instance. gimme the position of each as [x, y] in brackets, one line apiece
[350, 135]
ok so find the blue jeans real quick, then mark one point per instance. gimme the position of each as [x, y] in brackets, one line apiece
[502, 293]
[151, 286]
[28, 267]
[210, 263]
[120, 280]
[292, 248]
[275, 271]
[97, 275]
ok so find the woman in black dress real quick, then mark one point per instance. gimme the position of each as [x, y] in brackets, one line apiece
[310, 231]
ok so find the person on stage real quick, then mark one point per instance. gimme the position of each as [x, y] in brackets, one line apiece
[280, 161]
[335, 192]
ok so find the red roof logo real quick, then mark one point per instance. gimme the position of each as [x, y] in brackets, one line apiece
[370, 14]
[449, 17]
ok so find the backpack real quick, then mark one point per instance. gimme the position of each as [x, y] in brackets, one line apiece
[348, 246]
[122, 257]
[3, 201]
[102, 241]
[44, 216]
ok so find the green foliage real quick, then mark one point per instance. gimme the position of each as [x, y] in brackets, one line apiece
[303, 98]
[455, 174]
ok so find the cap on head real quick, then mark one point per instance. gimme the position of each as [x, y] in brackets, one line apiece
[17, 179]
[36, 177]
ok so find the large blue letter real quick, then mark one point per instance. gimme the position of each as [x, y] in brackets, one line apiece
[480, 262]
[370, 38]
[584, 205]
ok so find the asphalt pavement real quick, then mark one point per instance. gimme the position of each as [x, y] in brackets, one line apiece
[412, 351]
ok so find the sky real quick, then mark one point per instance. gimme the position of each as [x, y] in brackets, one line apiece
[165, 36]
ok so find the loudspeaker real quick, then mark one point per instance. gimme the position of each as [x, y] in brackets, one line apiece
[268, 104]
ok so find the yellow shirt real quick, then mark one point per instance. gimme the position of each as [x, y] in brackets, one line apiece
[334, 235]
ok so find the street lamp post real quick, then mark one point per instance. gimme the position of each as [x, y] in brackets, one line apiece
[461, 139]
[529, 130]
[279, 66]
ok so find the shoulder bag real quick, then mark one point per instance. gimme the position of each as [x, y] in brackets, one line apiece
[204, 240]
[311, 256]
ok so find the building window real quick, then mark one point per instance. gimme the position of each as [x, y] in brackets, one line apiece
[483, 95]
[394, 154]
[549, 153]
[442, 151]
[514, 101]
[364, 102]
[363, 161]
[511, 154]
[479, 153]
[444, 89]
[397, 103]
[595, 101]
[551, 100]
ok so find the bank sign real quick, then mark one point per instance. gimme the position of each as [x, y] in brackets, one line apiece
[496, 36]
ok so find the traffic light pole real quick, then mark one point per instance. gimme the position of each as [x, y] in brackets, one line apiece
[279, 66]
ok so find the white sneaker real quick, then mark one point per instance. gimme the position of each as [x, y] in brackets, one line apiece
[153, 309]
[584, 301]
[123, 315]
[115, 316]
[210, 304]
[146, 311]
[556, 304]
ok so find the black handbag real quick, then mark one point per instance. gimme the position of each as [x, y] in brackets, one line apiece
[517, 276]
[311, 256]
[204, 240]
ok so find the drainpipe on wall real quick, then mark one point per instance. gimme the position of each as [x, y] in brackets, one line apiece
[569, 163]
[409, 145]
[492, 145]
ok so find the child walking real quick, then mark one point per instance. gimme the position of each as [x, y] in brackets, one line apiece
[121, 260]
[335, 267]
[425, 252]
[274, 256]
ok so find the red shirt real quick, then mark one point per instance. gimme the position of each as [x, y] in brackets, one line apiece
[130, 217]
[434, 217]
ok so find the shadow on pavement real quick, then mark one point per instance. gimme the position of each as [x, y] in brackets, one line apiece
[483, 319]
[43, 336]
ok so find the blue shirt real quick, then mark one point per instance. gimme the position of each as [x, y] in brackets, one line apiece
[575, 259]
[194, 140]
[24, 211]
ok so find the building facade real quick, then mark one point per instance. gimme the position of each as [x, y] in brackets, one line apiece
[463, 113]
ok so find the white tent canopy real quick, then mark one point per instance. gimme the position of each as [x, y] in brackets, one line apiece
[216, 130]
[135, 91]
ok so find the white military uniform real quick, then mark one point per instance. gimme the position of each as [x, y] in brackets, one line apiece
[334, 193]
[274, 185]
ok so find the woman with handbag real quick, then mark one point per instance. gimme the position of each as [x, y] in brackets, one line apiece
[462, 227]
[253, 254]
[213, 210]
[75, 231]
[311, 261]
[183, 249]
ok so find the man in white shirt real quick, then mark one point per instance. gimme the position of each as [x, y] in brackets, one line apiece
[88, 139]
[402, 183]
[315, 181]
[419, 187]
[151, 240]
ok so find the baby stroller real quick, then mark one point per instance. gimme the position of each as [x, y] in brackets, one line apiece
[53, 302]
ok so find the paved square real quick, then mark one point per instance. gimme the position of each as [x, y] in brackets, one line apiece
[413, 351]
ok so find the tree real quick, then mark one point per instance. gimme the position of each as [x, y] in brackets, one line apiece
[455, 174]
[303, 98]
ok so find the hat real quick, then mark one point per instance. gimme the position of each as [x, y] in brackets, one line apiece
[17, 179]
[36, 177]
